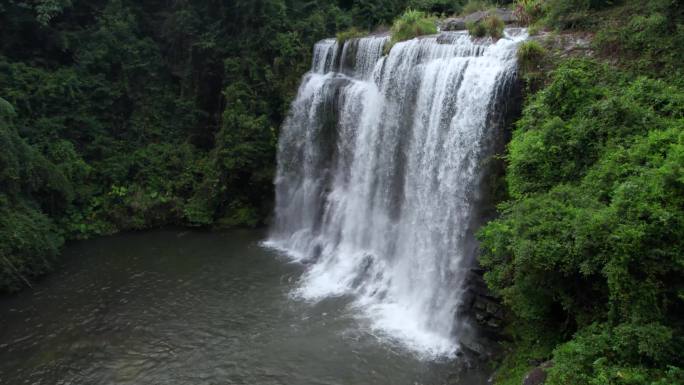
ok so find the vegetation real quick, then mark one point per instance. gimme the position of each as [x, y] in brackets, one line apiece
[411, 24]
[533, 62]
[122, 115]
[351, 33]
[491, 26]
[587, 251]
[530, 54]
[473, 6]
[529, 12]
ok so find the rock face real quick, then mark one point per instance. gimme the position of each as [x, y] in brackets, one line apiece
[485, 319]
[460, 23]
[567, 44]
[537, 376]
[486, 310]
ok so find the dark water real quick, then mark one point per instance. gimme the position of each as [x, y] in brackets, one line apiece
[178, 307]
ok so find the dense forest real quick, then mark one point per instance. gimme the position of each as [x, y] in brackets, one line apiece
[124, 115]
[588, 250]
[120, 115]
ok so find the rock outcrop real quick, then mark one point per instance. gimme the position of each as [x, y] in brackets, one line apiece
[484, 314]
[460, 23]
[487, 312]
[537, 376]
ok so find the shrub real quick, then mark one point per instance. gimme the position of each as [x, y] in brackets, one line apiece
[473, 6]
[351, 33]
[494, 26]
[476, 29]
[412, 24]
[530, 55]
[590, 245]
[491, 26]
[444, 7]
[566, 14]
[529, 11]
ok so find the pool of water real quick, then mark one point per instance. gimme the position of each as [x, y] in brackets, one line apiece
[185, 307]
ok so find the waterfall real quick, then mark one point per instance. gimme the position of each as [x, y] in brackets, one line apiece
[380, 164]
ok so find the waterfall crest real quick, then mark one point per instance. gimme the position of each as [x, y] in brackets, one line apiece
[380, 165]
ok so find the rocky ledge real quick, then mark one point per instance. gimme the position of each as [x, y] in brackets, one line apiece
[461, 23]
[485, 317]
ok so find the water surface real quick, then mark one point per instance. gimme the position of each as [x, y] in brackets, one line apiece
[179, 307]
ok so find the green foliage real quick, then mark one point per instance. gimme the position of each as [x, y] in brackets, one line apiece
[440, 7]
[645, 37]
[566, 14]
[473, 6]
[29, 239]
[491, 26]
[412, 24]
[494, 26]
[591, 244]
[476, 29]
[351, 33]
[531, 56]
[29, 242]
[600, 354]
[120, 114]
[529, 12]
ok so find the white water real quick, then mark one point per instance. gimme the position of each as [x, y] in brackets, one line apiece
[379, 174]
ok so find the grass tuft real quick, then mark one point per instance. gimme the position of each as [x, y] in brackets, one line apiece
[530, 55]
[351, 33]
[411, 24]
[491, 26]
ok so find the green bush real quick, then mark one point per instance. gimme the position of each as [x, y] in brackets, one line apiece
[440, 7]
[86, 150]
[491, 26]
[529, 11]
[531, 55]
[351, 33]
[494, 26]
[476, 29]
[412, 24]
[591, 246]
[29, 243]
[566, 14]
[645, 37]
[473, 6]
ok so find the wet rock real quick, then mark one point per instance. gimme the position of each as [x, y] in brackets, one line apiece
[482, 309]
[537, 376]
[475, 346]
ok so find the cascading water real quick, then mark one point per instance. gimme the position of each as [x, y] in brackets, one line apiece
[380, 166]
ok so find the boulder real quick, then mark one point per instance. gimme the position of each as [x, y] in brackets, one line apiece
[537, 376]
